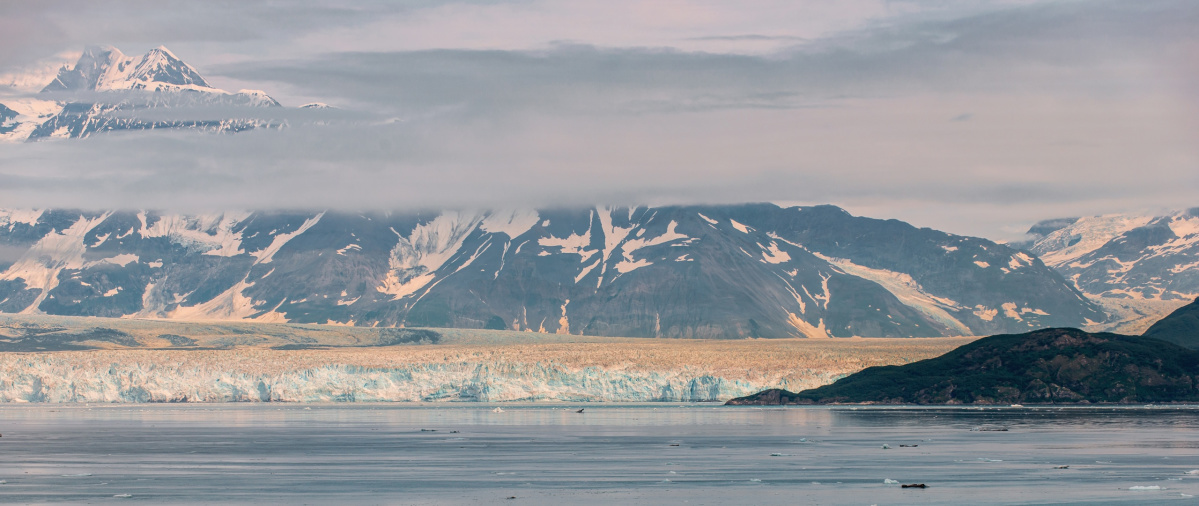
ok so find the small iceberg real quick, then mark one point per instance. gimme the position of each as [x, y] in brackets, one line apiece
[497, 410]
[80, 475]
[123, 496]
[989, 428]
[889, 481]
[1145, 487]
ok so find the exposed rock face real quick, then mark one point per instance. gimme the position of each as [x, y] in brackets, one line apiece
[1044, 366]
[703, 272]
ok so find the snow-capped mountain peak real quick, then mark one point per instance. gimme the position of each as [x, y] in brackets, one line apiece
[105, 90]
[1139, 267]
[106, 68]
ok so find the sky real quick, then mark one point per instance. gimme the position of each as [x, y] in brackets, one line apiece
[977, 117]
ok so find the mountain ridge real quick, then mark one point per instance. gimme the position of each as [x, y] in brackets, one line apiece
[1138, 267]
[106, 90]
[755, 270]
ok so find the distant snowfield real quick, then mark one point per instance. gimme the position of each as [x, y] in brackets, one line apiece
[508, 366]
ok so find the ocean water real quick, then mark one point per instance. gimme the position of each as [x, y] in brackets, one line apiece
[609, 454]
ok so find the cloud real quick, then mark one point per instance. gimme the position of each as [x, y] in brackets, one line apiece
[1074, 108]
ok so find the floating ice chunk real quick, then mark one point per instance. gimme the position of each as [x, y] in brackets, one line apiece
[2, 482]
[886, 447]
[889, 481]
[1193, 471]
[122, 496]
[497, 410]
[1145, 487]
[755, 480]
[76, 475]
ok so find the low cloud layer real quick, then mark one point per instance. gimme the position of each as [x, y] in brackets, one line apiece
[976, 121]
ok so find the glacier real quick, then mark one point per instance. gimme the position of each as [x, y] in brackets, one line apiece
[279, 376]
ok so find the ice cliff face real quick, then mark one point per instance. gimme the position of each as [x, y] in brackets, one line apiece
[182, 377]
[1141, 267]
[107, 91]
[700, 272]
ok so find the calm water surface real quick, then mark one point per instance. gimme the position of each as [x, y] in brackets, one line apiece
[538, 454]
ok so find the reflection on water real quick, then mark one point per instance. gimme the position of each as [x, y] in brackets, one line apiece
[651, 454]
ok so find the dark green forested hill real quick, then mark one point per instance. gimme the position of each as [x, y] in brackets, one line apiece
[1181, 327]
[1045, 366]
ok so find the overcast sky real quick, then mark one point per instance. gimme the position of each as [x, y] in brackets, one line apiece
[976, 117]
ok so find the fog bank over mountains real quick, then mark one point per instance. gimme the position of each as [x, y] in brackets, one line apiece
[976, 118]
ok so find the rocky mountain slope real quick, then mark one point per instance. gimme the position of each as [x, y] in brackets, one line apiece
[704, 272]
[108, 91]
[1138, 267]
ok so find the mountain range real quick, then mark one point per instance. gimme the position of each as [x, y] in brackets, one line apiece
[1137, 267]
[677, 271]
[107, 90]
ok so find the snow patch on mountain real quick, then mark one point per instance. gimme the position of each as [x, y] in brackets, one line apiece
[10, 218]
[416, 257]
[212, 234]
[774, 255]
[23, 116]
[40, 265]
[232, 304]
[267, 254]
[613, 236]
[513, 223]
[1085, 236]
[629, 264]
[575, 244]
[806, 329]
[121, 260]
[741, 227]
[908, 291]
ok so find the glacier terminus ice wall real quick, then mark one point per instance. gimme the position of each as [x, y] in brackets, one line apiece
[234, 376]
